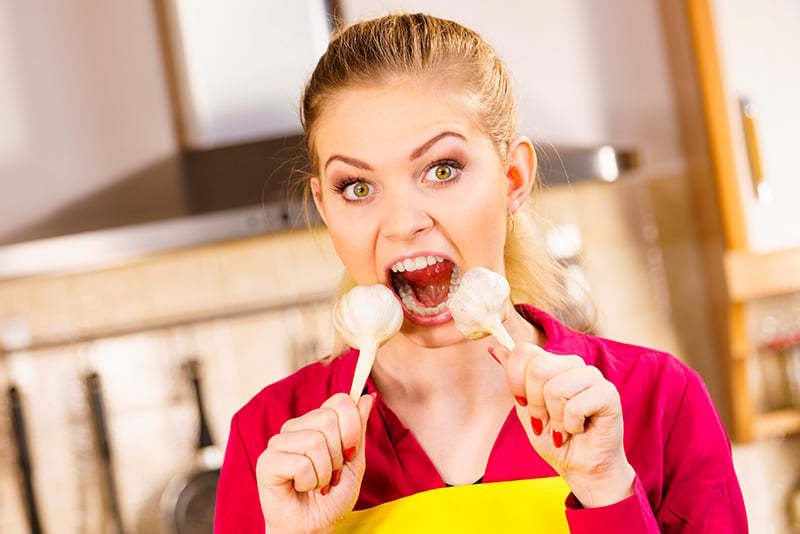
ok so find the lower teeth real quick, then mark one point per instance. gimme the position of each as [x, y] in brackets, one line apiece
[407, 296]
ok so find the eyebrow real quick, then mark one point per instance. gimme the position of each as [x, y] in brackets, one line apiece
[350, 161]
[417, 152]
[424, 147]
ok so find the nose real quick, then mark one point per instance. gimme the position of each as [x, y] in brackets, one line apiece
[404, 216]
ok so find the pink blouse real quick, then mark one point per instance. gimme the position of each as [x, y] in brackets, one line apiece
[673, 439]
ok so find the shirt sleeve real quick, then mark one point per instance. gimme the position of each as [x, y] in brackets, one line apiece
[629, 515]
[701, 492]
[237, 507]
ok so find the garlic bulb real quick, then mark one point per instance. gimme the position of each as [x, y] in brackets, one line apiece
[367, 317]
[479, 306]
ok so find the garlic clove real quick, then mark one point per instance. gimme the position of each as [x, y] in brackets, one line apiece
[479, 306]
[367, 317]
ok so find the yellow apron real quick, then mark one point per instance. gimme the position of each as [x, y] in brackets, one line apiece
[536, 505]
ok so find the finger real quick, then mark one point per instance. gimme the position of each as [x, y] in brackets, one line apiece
[544, 406]
[316, 435]
[516, 364]
[559, 390]
[349, 427]
[529, 363]
[526, 391]
[277, 467]
[500, 354]
[365, 405]
[561, 387]
[596, 401]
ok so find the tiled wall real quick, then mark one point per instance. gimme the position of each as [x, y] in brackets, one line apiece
[225, 305]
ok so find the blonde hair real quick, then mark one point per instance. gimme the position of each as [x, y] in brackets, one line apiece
[403, 45]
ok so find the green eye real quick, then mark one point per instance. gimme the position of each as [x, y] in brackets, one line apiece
[443, 172]
[360, 190]
[356, 190]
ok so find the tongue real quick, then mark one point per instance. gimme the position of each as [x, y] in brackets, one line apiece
[431, 284]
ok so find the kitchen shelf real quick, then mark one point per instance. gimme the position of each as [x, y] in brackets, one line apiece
[777, 423]
[749, 277]
[754, 275]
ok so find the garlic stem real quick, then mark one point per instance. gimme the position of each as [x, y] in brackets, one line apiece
[367, 317]
[500, 333]
[366, 357]
[479, 306]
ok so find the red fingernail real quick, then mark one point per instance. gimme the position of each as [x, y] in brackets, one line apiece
[336, 476]
[536, 425]
[522, 401]
[325, 489]
[558, 439]
[491, 351]
[349, 454]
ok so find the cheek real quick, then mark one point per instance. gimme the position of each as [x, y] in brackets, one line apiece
[480, 224]
[353, 244]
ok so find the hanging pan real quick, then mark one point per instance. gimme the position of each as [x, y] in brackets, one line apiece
[187, 504]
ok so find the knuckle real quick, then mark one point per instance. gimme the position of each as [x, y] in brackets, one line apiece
[337, 401]
[295, 423]
[538, 367]
[573, 411]
[262, 464]
[317, 444]
[595, 372]
[271, 443]
[575, 360]
[286, 427]
[553, 390]
[329, 421]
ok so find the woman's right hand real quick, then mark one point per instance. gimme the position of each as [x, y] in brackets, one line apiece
[309, 476]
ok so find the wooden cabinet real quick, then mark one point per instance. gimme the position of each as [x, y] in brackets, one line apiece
[759, 60]
[752, 277]
[737, 86]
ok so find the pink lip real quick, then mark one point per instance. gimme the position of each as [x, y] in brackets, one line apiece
[432, 320]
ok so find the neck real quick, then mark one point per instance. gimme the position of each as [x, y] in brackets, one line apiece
[405, 369]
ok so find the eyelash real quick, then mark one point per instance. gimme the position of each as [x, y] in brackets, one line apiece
[345, 183]
[340, 187]
[456, 165]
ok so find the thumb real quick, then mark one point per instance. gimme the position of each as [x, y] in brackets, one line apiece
[500, 355]
[365, 405]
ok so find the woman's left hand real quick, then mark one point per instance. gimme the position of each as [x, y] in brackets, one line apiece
[573, 418]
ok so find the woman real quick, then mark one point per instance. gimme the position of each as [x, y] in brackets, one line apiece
[419, 176]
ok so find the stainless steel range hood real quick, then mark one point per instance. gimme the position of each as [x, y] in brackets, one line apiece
[244, 191]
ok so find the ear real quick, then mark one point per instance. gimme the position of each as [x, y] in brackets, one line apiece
[521, 171]
[316, 194]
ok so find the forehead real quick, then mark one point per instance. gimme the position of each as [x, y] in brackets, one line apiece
[392, 112]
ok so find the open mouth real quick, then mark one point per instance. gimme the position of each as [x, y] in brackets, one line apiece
[425, 283]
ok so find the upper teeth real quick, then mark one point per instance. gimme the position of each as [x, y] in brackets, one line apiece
[412, 264]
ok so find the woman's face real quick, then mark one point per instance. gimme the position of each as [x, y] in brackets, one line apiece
[413, 193]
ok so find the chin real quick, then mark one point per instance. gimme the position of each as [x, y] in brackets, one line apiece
[429, 320]
[433, 335]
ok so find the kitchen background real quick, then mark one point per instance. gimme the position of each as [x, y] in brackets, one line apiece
[94, 109]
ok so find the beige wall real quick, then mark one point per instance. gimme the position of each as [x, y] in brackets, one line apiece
[84, 87]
